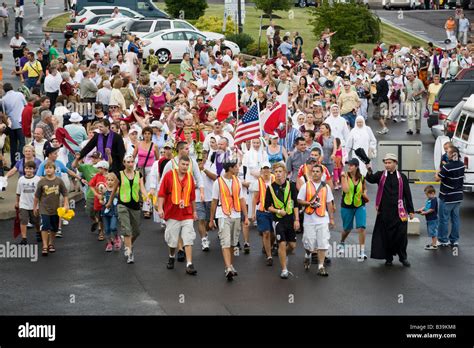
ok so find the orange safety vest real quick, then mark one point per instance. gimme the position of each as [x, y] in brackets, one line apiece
[262, 189]
[180, 193]
[321, 198]
[229, 200]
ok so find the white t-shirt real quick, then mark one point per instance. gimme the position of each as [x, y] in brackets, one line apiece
[207, 182]
[314, 219]
[99, 48]
[113, 52]
[216, 195]
[26, 188]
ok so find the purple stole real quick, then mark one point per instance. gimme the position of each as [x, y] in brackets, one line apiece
[100, 144]
[401, 209]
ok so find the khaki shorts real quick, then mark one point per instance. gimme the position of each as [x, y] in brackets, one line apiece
[229, 231]
[28, 216]
[129, 221]
[316, 237]
[175, 228]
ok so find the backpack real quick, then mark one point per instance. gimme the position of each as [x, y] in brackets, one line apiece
[25, 91]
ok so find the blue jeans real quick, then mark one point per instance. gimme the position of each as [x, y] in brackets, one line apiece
[110, 226]
[350, 117]
[446, 212]
[30, 82]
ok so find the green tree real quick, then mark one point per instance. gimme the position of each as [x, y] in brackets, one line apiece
[268, 6]
[352, 22]
[189, 9]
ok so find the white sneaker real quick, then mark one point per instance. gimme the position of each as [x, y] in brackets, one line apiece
[130, 258]
[205, 244]
[126, 251]
[65, 222]
[362, 257]
[233, 270]
[30, 225]
[383, 131]
[284, 274]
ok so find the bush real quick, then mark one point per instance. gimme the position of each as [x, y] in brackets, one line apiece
[189, 9]
[243, 40]
[352, 22]
[214, 24]
[252, 49]
[268, 6]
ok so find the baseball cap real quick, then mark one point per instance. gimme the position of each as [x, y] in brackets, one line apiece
[311, 160]
[266, 165]
[156, 124]
[102, 164]
[49, 150]
[353, 162]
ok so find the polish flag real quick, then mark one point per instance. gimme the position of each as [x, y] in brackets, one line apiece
[225, 101]
[271, 118]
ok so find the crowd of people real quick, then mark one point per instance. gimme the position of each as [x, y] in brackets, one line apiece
[143, 143]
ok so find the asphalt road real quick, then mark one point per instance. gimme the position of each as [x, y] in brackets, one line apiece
[438, 283]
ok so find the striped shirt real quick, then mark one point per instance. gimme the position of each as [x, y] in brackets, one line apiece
[452, 181]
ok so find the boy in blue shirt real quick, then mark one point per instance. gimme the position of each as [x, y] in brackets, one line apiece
[430, 211]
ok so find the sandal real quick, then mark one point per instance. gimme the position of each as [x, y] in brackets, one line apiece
[44, 252]
[51, 248]
[101, 238]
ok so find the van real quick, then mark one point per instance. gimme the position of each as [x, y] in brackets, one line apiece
[144, 7]
[463, 139]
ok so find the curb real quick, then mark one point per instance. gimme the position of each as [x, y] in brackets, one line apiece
[47, 29]
[10, 214]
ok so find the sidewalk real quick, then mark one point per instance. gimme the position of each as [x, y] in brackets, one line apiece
[7, 205]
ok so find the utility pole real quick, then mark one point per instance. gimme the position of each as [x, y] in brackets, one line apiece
[239, 15]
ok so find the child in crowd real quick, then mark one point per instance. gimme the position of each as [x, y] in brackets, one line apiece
[97, 185]
[338, 165]
[444, 157]
[110, 215]
[48, 193]
[430, 211]
[25, 196]
[152, 59]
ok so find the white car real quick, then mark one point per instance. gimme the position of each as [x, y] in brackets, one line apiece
[92, 11]
[107, 29]
[142, 27]
[171, 44]
[406, 4]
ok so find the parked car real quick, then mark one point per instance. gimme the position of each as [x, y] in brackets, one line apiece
[450, 94]
[448, 126]
[145, 7]
[72, 27]
[107, 29]
[91, 11]
[465, 74]
[171, 44]
[406, 4]
[304, 3]
[463, 139]
[144, 27]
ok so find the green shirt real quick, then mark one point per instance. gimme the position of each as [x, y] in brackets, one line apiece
[88, 171]
[186, 69]
[53, 53]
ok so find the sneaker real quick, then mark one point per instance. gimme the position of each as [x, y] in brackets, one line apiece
[117, 243]
[29, 225]
[444, 245]
[190, 269]
[362, 257]
[340, 248]
[181, 256]
[454, 245]
[307, 263]
[284, 274]
[269, 261]
[236, 251]
[322, 272]
[38, 237]
[205, 244]
[410, 132]
[170, 264]
[246, 248]
[383, 131]
[130, 258]
[59, 234]
[431, 247]
[109, 247]
[394, 120]
[65, 222]
[403, 119]
[234, 270]
[126, 251]
[229, 274]
[24, 241]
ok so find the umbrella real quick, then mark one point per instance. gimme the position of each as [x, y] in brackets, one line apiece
[360, 152]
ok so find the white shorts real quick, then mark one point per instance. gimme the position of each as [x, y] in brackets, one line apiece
[175, 228]
[316, 237]
[229, 231]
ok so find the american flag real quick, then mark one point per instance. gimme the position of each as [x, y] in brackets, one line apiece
[248, 127]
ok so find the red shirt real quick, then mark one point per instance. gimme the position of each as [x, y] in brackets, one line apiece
[95, 181]
[173, 211]
[26, 117]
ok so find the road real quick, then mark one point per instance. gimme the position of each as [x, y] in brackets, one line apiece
[438, 283]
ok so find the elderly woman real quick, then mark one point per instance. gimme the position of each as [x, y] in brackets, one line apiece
[361, 136]
[67, 87]
[77, 132]
[29, 155]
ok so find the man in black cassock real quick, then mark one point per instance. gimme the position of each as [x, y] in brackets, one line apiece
[390, 231]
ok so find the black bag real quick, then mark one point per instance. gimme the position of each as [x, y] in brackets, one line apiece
[142, 169]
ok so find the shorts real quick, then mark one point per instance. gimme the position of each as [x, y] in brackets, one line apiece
[285, 231]
[229, 231]
[350, 118]
[49, 223]
[176, 228]
[129, 221]
[316, 237]
[203, 210]
[27, 216]
[348, 215]
[432, 228]
[264, 221]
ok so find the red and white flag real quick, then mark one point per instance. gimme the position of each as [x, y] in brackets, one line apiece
[225, 101]
[271, 118]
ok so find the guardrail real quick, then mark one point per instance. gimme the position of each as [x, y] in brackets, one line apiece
[421, 182]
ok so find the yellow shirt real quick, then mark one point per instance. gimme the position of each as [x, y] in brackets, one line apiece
[433, 92]
[349, 101]
[33, 69]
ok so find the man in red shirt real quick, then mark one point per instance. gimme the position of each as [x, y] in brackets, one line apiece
[177, 196]
[27, 118]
